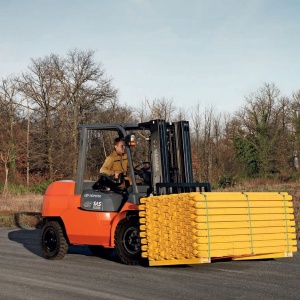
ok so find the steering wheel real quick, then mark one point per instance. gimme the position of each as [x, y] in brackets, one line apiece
[141, 168]
[143, 171]
[108, 181]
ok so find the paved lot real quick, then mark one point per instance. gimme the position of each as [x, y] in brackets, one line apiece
[24, 274]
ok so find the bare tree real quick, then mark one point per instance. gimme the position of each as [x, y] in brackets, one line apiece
[294, 112]
[84, 89]
[212, 148]
[203, 134]
[41, 87]
[161, 108]
[285, 138]
[5, 157]
[196, 150]
[4, 143]
[8, 94]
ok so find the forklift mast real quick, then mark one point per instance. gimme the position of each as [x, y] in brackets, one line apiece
[171, 158]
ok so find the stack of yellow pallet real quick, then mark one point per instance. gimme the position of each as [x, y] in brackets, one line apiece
[198, 227]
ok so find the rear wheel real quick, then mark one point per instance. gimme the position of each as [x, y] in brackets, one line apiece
[53, 242]
[127, 241]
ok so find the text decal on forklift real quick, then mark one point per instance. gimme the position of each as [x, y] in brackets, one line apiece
[97, 205]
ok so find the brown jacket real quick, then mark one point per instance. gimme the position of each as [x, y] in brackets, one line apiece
[115, 163]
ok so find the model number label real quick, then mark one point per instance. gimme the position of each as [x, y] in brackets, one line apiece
[97, 205]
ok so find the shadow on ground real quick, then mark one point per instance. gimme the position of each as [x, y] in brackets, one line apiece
[30, 239]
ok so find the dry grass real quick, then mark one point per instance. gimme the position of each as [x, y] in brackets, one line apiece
[23, 203]
[22, 211]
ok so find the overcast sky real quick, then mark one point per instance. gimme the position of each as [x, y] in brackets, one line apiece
[212, 52]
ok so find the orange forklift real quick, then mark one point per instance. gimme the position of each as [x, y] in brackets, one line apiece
[103, 214]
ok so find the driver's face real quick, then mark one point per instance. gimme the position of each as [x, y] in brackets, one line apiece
[120, 148]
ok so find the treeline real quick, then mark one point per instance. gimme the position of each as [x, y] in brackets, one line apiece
[41, 108]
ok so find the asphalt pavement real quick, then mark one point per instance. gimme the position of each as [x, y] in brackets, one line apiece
[24, 274]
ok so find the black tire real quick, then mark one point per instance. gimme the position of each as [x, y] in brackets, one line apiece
[53, 242]
[127, 241]
[100, 251]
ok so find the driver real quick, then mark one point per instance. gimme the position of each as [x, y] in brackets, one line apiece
[117, 161]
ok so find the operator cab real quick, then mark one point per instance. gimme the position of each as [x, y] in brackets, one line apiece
[106, 193]
[169, 170]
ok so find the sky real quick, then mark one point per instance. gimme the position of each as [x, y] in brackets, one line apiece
[207, 52]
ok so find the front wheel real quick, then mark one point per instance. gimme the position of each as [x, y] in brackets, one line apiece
[127, 241]
[53, 242]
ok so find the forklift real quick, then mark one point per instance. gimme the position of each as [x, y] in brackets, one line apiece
[103, 214]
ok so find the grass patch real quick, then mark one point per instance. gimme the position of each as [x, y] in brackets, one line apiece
[7, 221]
[20, 210]
[19, 189]
[21, 203]
[21, 220]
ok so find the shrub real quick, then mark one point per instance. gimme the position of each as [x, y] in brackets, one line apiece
[40, 188]
[225, 181]
[15, 189]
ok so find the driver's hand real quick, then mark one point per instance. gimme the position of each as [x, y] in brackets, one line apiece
[116, 175]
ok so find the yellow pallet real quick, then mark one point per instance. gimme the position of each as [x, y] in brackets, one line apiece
[245, 252]
[230, 218]
[194, 228]
[240, 204]
[238, 196]
[279, 224]
[244, 245]
[265, 256]
[244, 237]
[243, 211]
